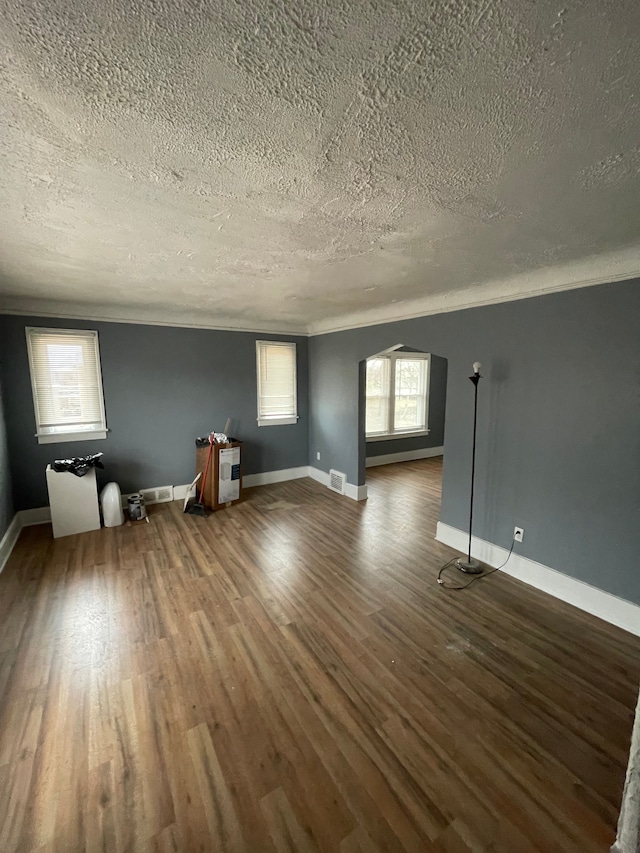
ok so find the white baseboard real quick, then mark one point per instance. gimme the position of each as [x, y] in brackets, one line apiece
[268, 477]
[356, 493]
[249, 481]
[606, 606]
[9, 540]
[319, 476]
[24, 518]
[404, 456]
[180, 492]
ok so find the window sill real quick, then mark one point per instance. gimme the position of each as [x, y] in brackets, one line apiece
[390, 436]
[293, 419]
[60, 437]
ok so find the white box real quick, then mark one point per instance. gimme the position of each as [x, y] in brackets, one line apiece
[73, 502]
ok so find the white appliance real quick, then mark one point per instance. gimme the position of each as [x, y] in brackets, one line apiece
[137, 509]
[111, 503]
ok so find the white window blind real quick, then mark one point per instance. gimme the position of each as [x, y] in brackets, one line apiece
[67, 384]
[277, 391]
[377, 393]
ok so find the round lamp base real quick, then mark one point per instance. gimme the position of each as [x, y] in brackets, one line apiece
[470, 567]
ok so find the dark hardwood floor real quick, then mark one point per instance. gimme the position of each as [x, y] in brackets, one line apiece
[287, 676]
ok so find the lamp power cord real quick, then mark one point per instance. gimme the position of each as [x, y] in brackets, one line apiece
[477, 577]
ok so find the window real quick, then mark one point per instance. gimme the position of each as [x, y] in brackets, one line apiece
[396, 395]
[67, 385]
[277, 394]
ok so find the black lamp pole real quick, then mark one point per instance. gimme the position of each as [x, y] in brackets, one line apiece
[471, 566]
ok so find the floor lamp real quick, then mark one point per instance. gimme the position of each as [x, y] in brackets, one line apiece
[471, 566]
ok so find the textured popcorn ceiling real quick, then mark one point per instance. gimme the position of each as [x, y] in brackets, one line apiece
[274, 164]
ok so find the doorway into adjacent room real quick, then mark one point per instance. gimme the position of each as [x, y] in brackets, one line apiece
[402, 407]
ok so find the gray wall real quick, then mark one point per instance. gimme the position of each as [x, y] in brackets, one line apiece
[6, 500]
[559, 417]
[559, 423]
[162, 386]
[437, 403]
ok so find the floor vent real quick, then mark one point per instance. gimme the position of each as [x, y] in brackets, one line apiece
[159, 495]
[337, 481]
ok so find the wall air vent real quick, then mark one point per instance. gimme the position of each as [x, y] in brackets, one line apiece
[336, 481]
[159, 495]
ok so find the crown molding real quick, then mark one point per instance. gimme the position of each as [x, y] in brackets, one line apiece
[105, 314]
[590, 272]
[540, 283]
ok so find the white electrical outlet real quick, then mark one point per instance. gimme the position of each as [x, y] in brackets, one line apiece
[318, 455]
[518, 534]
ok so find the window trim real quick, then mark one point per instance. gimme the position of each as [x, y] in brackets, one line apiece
[394, 356]
[72, 434]
[278, 420]
[389, 436]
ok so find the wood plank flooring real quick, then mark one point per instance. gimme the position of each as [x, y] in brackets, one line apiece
[287, 677]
